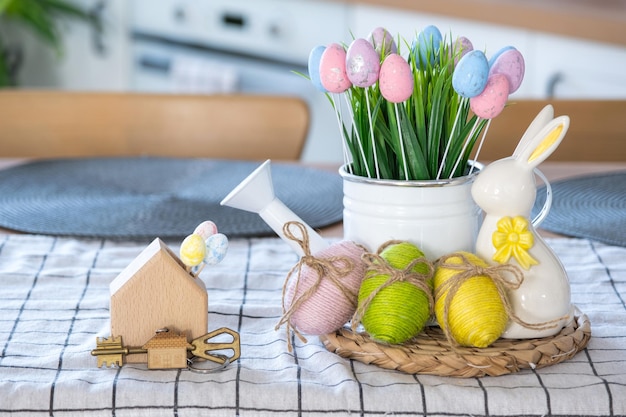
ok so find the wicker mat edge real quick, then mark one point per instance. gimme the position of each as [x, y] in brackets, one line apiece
[430, 353]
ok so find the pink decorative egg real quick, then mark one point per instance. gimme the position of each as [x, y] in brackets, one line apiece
[382, 41]
[396, 79]
[205, 229]
[327, 309]
[333, 69]
[511, 64]
[362, 63]
[492, 100]
[461, 46]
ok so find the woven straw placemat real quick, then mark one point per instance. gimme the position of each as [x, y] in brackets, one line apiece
[430, 353]
[590, 206]
[143, 198]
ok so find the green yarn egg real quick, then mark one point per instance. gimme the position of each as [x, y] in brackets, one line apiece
[400, 311]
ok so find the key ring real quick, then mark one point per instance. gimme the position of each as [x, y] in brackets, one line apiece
[223, 365]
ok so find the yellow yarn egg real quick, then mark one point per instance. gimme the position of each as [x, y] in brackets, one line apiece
[476, 315]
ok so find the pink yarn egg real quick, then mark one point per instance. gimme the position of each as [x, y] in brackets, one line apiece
[205, 229]
[492, 100]
[382, 41]
[327, 309]
[362, 63]
[333, 69]
[511, 64]
[396, 79]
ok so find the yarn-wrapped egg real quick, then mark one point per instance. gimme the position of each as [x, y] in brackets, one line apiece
[322, 297]
[395, 296]
[475, 314]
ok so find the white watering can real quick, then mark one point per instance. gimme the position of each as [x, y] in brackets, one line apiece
[256, 194]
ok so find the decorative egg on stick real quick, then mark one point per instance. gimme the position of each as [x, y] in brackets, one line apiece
[383, 42]
[396, 85]
[468, 80]
[334, 79]
[460, 48]
[205, 246]
[363, 68]
[192, 250]
[426, 46]
[314, 67]
[507, 62]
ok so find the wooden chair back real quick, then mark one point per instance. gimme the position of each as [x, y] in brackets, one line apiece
[597, 130]
[49, 124]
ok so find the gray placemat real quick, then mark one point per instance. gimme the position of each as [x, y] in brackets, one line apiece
[137, 198]
[591, 206]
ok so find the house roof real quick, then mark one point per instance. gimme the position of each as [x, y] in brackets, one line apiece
[166, 339]
[145, 260]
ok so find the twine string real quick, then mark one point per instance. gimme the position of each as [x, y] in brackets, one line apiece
[333, 268]
[376, 265]
[467, 270]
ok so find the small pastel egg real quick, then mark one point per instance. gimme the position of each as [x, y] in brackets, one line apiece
[470, 74]
[396, 79]
[192, 250]
[492, 100]
[498, 53]
[428, 42]
[511, 64]
[333, 69]
[216, 248]
[206, 229]
[362, 63]
[314, 67]
[382, 41]
[461, 46]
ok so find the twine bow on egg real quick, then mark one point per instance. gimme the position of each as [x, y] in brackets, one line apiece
[393, 328]
[462, 272]
[327, 268]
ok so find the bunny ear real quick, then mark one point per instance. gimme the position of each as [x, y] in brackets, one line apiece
[546, 142]
[543, 118]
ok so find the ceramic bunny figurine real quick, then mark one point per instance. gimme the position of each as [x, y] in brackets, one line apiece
[506, 192]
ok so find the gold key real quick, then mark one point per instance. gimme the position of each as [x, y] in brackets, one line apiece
[168, 350]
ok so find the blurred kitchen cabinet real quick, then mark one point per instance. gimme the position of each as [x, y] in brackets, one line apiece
[556, 66]
[576, 68]
[90, 60]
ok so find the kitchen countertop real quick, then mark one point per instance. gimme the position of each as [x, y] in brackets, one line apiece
[602, 21]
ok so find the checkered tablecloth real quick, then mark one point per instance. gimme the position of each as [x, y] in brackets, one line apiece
[54, 302]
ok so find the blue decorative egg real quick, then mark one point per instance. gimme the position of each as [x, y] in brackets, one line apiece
[216, 248]
[428, 42]
[315, 57]
[471, 73]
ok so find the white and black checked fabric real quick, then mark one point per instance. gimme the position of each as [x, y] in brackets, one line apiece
[54, 300]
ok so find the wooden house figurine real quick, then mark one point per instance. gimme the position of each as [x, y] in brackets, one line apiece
[167, 350]
[155, 291]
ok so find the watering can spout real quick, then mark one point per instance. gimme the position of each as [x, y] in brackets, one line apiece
[256, 194]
